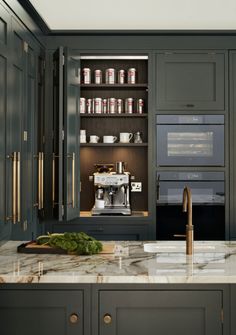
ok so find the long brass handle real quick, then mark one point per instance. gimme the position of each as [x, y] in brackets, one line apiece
[53, 180]
[14, 187]
[40, 179]
[18, 188]
[73, 180]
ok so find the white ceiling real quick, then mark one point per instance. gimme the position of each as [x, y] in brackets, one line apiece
[137, 14]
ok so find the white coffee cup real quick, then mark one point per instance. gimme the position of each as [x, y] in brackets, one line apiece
[93, 139]
[125, 137]
[99, 203]
[83, 132]
[109, 139]
[82, 138]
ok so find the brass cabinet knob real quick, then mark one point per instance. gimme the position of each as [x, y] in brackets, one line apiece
[74, 318]
[107, 319]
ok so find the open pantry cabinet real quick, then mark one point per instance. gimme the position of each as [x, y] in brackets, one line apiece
[135, 155]
[73, 162]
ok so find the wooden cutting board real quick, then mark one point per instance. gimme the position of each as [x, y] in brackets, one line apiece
[34, 248]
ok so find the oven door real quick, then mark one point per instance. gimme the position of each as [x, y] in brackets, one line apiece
[206, 187]
[190, 144]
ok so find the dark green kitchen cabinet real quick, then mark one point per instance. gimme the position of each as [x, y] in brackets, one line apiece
[160, 312]
[187, 81]
[42, 312]
[66, 94]
[5, 26]
[20, 130]
[19, 58]
[233, 310]
[232, 138]
[107, 231]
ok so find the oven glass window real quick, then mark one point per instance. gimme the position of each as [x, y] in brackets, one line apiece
[190, 144]
[199, 195]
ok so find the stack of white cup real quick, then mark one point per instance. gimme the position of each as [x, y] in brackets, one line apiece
[82, 136]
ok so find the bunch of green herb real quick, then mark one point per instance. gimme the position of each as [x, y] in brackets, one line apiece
[78, 243]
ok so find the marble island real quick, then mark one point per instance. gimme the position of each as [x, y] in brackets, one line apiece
[212, 262]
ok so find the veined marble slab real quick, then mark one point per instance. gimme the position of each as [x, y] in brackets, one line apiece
[212, 262]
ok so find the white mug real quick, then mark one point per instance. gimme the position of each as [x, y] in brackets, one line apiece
[125, 137]
[93, 139]
[99, 203]
[82, 138]
[109, 139]
[82, 132]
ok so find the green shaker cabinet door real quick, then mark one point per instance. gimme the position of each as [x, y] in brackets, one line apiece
[160, 312]
[232, 129]
[66, 90]
[187, 81]
[233, 310]
[40, 312]
[5, 226]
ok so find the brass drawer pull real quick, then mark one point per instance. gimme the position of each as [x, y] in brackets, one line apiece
[107, 319]
[74, 318]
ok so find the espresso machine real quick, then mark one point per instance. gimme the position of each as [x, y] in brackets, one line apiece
[112, 190]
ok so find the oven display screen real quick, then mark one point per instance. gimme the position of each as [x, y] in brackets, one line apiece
[190, 144]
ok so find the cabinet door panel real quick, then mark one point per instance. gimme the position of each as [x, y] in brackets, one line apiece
[28, 138]
[57, 182]
[232, 128]
[66, 110]
[41, 312]
[15, 130]
[233, 309]
[71, 116]
[190, 81]
[3, 102]
[161, 312]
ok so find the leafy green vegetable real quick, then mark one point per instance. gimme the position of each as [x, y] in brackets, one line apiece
[78, 243]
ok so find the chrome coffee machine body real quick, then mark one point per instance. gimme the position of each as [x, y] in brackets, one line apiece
[112, 190]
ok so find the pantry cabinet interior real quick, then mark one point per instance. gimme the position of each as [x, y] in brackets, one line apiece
[135, 155]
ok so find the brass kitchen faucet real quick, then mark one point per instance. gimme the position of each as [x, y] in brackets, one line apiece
[187, 207]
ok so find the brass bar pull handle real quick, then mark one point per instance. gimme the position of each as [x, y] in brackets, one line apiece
[14, 187]
[72, 156]
[53, 179]
[179, 235]
[73, 180]
[18, 188]
[40, 180]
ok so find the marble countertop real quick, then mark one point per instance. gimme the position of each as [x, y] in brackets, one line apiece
[212, 262]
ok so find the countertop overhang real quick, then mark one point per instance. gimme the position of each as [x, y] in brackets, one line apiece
[212, 262]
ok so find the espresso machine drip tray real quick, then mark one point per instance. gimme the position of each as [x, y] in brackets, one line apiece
[111, 211]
